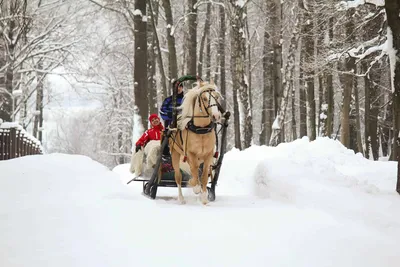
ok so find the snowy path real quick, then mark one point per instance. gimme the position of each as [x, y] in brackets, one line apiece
[281, 210]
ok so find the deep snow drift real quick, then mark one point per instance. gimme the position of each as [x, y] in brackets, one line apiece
[299, 204]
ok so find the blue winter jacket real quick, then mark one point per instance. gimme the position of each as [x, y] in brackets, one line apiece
[166, 108]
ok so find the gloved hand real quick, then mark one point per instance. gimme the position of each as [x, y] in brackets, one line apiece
[137, 148]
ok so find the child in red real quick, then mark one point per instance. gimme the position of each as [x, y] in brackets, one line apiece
[154, 133]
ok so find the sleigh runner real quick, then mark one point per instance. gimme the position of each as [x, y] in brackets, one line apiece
[164, 174]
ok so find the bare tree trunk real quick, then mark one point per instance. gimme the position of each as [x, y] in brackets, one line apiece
[268, 94]
[303, 105]
[140, 61]
[347, 81]
[204, 37]
[238, 69]
[367, 109]
[208, 58]
[221, 52]
[38, 120]
[173, 65]
[159, 56]
[192, 38]
[392, 8]
[151, 59]
[358, 120]
[288, 87]
[294, 125]
[308, 58]
[275, 26]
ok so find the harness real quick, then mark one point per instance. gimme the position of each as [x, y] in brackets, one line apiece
[200, 130]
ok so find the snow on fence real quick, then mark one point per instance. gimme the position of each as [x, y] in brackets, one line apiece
[16, 142]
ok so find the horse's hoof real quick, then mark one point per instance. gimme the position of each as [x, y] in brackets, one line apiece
[182, 201]
[197, 189]
[204, 198]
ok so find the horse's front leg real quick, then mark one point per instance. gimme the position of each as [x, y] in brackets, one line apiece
[194, 170]
[204, 179]
[175, 156]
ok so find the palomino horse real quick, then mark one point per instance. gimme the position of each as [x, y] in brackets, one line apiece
[195, 138]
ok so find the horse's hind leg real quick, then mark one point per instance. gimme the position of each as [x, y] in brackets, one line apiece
[178, 175]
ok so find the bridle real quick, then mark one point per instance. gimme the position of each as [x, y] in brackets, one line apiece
[208, 105]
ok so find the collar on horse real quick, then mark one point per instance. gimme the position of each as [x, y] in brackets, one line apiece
[200, 130]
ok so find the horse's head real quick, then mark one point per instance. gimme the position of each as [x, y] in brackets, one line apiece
[200, 103]
[209, 98]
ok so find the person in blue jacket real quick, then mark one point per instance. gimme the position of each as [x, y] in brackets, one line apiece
[166, 113]
[167, 105]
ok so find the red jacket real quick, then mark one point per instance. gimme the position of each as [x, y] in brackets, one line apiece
[151, 134]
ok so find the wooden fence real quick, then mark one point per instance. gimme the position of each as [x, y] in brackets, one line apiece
[15, 143]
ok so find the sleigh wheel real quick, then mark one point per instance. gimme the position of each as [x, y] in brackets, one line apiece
[146, 188]
[211, 194]
[153, 191]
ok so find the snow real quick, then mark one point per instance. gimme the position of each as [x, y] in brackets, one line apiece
[356, 3]
[240, 3]
[137, 12]
[298, 204]
[17, 93]
[275, 124]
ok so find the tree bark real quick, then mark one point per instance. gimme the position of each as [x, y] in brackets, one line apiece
[140, 61]
[275, 25]
[151, 59]
[267, 115]
[348, 83]
[173, 64]
[288, 87]
[204, 38]
[192, 38]
[308, 58]
[221, 52]
[392, 8]
[238, 51]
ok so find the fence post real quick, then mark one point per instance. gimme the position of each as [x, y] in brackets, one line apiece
[2, 144]
[18, 143]
[13, 139]
[24, 145]
[8, 146]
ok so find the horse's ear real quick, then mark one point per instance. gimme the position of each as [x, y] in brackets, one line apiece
[212, 81]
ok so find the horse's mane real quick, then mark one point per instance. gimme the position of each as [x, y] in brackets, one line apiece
[189, 100]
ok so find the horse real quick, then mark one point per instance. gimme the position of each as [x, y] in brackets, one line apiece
[195, 137]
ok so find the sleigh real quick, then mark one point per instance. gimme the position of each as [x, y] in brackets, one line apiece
[163, 174]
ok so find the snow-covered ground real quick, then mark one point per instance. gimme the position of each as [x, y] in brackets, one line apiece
[299, 204]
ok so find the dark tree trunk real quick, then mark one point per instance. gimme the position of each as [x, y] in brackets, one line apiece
[38, 121]
[308, 59]
[392, 8]
[151, 58]
[221, 52]
[238, 51]
[204, 38]
[392, 12]
[267, 115]
[140, 61]
[173, 65]
[347, 80]
[192, 38]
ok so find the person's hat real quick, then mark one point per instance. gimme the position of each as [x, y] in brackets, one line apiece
[153, 116]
